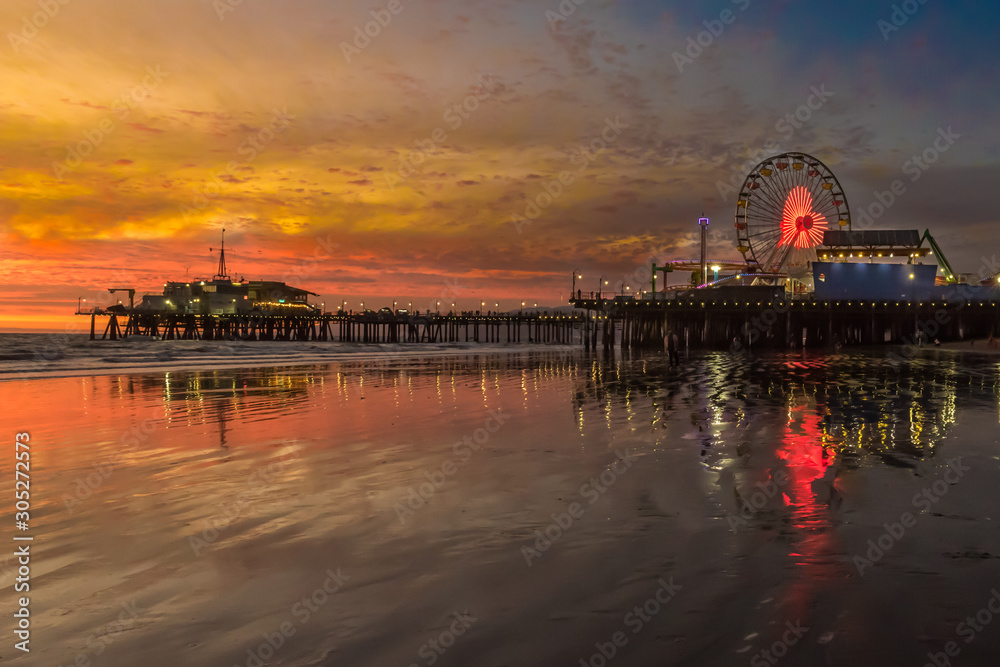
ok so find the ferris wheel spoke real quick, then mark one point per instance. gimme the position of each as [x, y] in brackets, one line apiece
[766, 240]
[772, 196]
[766, 232]
[774, 231]
[777, 195]
[772, 225]
[784, 179]
[765, 223]
[772, 183]
[788, 178]
[770, 204]
[767, 218]
[824, 197]
[763, 212]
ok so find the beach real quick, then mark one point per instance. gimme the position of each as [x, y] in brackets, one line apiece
[545, 506]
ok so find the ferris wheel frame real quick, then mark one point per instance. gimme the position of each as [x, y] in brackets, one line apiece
[769, 190]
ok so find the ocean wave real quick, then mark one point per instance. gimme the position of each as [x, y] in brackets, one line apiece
[27, 356]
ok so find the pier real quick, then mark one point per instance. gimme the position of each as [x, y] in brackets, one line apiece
[763, 317]
[751, 317]
[352, 327]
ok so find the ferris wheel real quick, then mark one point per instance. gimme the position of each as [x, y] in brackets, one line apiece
[786, 203]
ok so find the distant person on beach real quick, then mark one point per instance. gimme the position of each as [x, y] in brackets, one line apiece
[672, 345]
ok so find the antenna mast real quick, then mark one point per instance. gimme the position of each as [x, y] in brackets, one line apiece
[222, 275]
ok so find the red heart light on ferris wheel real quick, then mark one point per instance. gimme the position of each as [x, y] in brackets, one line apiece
[801, 226]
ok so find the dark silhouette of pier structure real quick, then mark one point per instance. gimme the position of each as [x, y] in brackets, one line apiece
[352, 327]
[764, 317]
[749, 318]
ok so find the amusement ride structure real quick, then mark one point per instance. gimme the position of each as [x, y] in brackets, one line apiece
[785, 205]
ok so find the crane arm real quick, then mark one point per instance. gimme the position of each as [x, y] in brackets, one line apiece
[941, 259]
[131, 295]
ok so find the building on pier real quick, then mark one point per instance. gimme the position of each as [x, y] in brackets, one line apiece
[229, 297]
[224, 296]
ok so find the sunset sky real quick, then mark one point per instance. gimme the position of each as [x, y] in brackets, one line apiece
[393, 166]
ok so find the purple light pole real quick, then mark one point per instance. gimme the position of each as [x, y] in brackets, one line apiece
[703, 223]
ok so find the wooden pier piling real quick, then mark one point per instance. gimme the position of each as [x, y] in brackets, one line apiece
[356, 328]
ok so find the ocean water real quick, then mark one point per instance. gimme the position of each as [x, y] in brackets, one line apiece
[504, 507]
[26, 356]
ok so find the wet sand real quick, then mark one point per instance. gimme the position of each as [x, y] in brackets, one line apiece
[513, 509]
[976, 346]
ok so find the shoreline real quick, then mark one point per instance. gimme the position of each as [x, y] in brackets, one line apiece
[225, 357]
[375, 352]
[980, 347]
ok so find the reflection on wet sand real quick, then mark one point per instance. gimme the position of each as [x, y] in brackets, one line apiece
[859, 404]
[217, 500]
[839, 413]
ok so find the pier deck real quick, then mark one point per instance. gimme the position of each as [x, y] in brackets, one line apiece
[360, 328]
